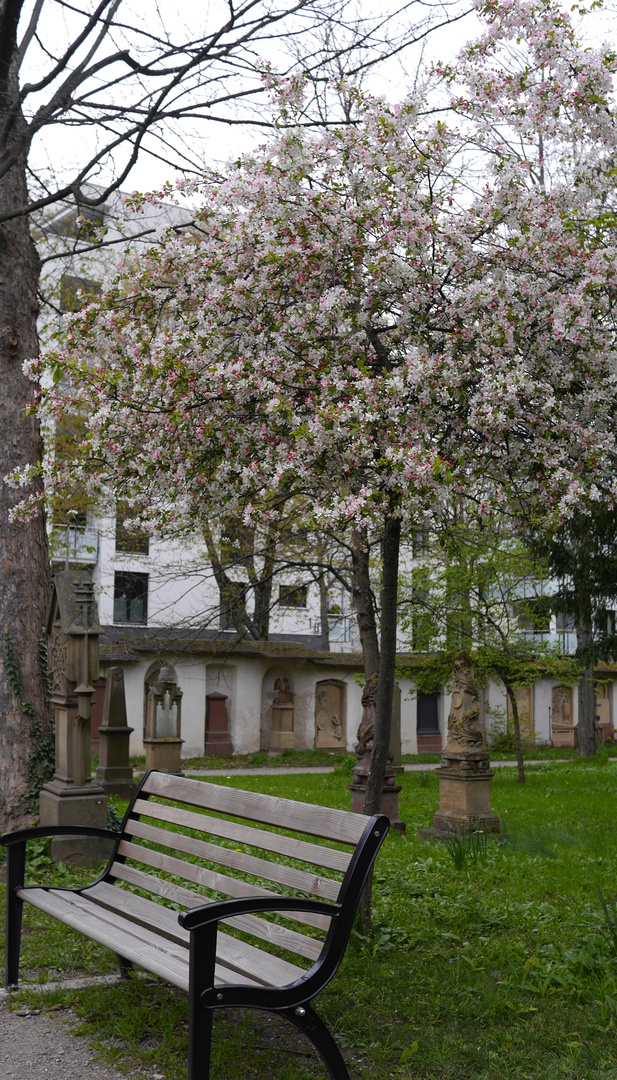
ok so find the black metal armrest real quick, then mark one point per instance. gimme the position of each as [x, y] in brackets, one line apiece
[18, 836]
[224, 909]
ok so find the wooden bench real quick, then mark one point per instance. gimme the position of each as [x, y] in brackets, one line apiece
[158, 904]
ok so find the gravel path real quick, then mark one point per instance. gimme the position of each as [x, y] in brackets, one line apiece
[39, 1046]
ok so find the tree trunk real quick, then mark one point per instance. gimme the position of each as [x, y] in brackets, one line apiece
[323, 613]
[586, 693]
[23, 548]
[517, 731]
[363, 597]
[387, 665]
[586, 713]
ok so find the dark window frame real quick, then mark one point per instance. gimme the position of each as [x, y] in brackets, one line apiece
[130, 598]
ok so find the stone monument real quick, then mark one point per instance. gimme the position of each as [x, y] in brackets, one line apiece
[282, 735]
[71, 798]
[363, 752]
[217, 738]
[114, 773]
[329, 734]
[464, 774]
[564, 734]
[162, 741]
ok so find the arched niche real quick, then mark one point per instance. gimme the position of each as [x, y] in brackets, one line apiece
[330, 715]
[152, 674]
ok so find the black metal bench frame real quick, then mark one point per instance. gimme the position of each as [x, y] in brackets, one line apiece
[292, 1000]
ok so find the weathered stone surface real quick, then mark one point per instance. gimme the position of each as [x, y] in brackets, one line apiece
[465, 773]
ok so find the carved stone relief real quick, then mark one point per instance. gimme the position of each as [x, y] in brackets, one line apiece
[329, 721]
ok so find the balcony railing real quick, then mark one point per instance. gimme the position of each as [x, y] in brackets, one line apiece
[70, 544]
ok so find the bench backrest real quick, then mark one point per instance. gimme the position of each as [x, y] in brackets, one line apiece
[187, 842]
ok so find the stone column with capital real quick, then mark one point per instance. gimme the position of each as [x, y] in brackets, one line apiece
[464, 774]
[72, 798]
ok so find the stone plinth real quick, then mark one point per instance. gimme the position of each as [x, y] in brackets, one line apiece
[164, 754]
[465, 794]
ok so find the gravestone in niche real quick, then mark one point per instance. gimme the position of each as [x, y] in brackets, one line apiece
[329, 734]
[163, 744]
[564, 732]
[217, 739]
[282, 736]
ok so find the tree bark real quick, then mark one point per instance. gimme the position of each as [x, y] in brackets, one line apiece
[363, 597]
[23, 548]
[586, 694]
[516, 724]
[387, 665]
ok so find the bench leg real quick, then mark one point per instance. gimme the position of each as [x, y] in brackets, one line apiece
[16, 868]
[126, 966]
[202, 960]
[314, 1028]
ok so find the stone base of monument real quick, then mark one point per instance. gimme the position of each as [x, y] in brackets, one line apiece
[164, 754]
[64, 805]
[464, 798]
[389, 795]
[113, 774]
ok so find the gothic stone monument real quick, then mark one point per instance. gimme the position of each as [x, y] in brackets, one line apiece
[72, 798]
[114, 773]
[464, 774]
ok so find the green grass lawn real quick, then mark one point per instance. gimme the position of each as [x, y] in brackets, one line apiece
[491, 962]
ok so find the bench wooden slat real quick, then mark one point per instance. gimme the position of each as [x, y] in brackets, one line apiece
[318, 855]
[237, 961]
[283, 936]
[209, 879]
[322, 821]
[303, 881]
[173, 968]
[266, 969]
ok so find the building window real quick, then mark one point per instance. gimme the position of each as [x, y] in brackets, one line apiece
[128, 541]
[293, 596]
[131, 598]
[77, 292]
[233, 604]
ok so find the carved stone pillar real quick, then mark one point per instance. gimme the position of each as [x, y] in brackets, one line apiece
[162, 743]
[71, 798]
[364, 752]
[114, 772]
[465, 774]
